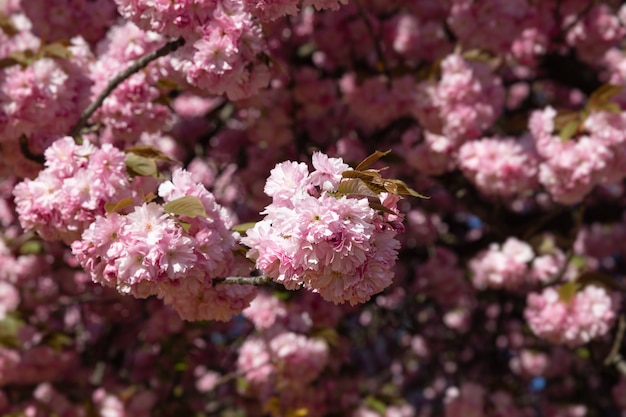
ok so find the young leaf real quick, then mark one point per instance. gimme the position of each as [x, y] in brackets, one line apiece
[113, 207]
[243, 227]
[367, 176]
[356, 186]
[57, 50]
[370, 160]
[141, 166]
[376, 205]
[188, 205]
[402, 188]
[601, 279]
[569, 130]
[7, 25]
[148, 152]
[567, 292]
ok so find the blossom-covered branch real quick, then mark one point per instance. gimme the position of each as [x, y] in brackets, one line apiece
[135, 67]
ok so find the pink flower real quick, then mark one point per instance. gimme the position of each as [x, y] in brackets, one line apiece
[505, 266]
[589, 315]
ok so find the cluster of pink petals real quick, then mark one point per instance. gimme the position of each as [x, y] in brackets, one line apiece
[417, 37]
[59, 20]
[506, 266]
[463, 103]
[490, 24]
[338, 247]
[514, 266]
[594, 33]
[65, 198]
[378, 101]
[133, 107]
[284, 360]
[588, 315]
[442, 279]
[39, 103]
[500, 166]
[570, 169]
[149, 252]
[222, 41]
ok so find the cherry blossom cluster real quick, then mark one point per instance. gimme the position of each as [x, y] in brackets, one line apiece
[500, 298]
[151, 252]
[66, 197]
[514, 266]
[570, 169]
[334, 245]
[282, 360]
[588, 315]
[222, 42]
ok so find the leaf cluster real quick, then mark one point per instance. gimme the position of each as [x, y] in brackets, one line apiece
[570, 123]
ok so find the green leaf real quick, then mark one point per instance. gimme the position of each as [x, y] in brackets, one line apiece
[188, 205]
[567, 292]
[114, 207]
[569, 130]
[370, 160]
[9, 327]
[31, 247]
[141, 166]
[602, 96]
[243, 227]
[57, 50]
[376, 405]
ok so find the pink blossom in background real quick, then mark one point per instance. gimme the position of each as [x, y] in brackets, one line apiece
[589, 315]
[466, 100]
[500, 166]
[503, 266]
[66, 197]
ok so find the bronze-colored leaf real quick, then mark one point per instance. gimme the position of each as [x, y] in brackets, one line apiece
[148, 152]
[8, 62]
[7, 25]
[368, 175]
[356, 186]
[376, 205]
[57, 50]
[370, 160]
[402, 188]
[602, 96]
[114, 207]
[188, 205]
[601, 279]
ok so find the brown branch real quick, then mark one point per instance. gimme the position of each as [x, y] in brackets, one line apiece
[381, 64]
[136, 66]
[262, 280]
[614, 357]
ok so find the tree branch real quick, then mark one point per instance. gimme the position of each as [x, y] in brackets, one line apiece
[262, 280]
[121, 77]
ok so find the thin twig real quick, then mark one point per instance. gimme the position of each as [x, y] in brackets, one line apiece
[121, 77]
[614, 357]
[381, 63]
[262, 280]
